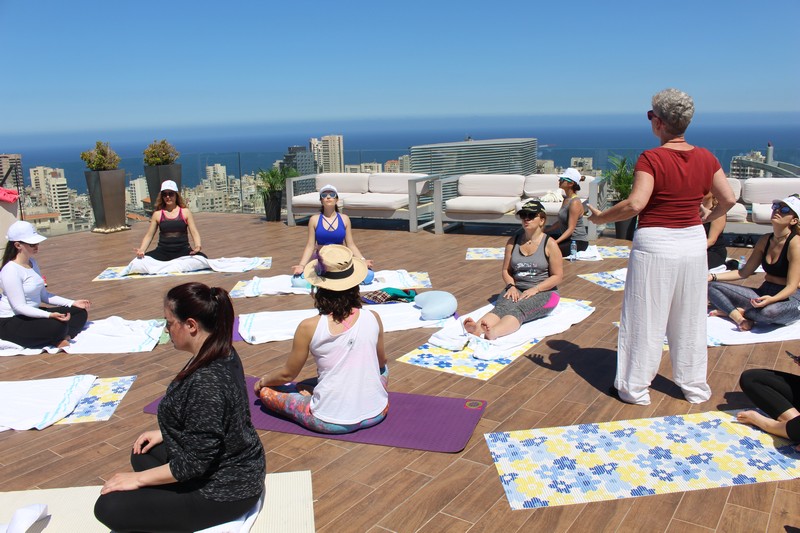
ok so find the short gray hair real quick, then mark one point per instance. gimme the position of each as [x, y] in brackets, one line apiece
[675, 108]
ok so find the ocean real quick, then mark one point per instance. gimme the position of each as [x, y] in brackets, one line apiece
[246, 148]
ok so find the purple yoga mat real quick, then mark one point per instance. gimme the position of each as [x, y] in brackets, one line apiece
[236, 335]
[430, 423]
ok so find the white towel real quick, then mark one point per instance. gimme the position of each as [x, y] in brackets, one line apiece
[454, 337]
[191, 263]
[41, 402]
[24, 518]
[267, 326]
[724, 331]
[282, 284]
[589, 254]
[241, 524]
[108, 335]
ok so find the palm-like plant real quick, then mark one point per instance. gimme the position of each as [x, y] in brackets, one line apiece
[620, 176]
[274, 179]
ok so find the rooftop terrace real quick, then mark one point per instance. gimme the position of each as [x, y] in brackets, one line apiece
[562, 381]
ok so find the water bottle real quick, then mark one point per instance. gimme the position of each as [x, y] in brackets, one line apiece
[573, 251]
[742, 261]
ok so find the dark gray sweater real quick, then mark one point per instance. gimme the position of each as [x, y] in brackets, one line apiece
[210, 439]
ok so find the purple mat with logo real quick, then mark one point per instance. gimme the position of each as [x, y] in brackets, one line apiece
[430, 423]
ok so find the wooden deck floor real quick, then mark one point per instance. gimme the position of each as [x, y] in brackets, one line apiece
[563, 380]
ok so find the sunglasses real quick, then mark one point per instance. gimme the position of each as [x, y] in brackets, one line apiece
[782, 209]
[168, 193]
[323, 195]
[651, 114]
[527, 215]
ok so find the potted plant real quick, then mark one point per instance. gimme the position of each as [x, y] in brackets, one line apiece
[270, 183]
[159, 166]
[106, 186]
[620, 177]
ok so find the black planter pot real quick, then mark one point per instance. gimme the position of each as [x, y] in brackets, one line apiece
[624, 229]
[156, 175]
[107, 195]
[272, 205]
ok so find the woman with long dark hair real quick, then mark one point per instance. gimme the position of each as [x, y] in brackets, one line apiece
[174, 223]
[204, 465]
[347, 345]
[570, 226]
[23, 319]
[329, 227]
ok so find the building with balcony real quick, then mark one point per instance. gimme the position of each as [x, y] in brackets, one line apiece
[493, 156]
[11, 164]
[328, 153]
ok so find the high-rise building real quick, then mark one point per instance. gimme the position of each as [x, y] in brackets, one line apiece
[40, 175]
[494, 156]
[405, 163]
[328, 153]
[58, 197]
[392, 166]
[137, 190]
[741, 170]
[216, 178]
[12, 163]
[300, 159]
[545, 166]
[582, 164]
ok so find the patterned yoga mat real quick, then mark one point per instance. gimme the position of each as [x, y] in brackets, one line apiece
[614, 252]
[478, 254]
[625, 459]
[613, 280]
[461, 363]
[100, 401]
[115, 273]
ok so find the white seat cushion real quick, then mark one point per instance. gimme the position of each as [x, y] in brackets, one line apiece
[393, 182]
[344, 182]
[737, 213]
[765, 190]
[495, 205]
[762, 213]
[736, 186]
[537, 185]
[496, 185]
[371, 200]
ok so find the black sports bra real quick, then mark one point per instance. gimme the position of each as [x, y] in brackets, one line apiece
[780, 268]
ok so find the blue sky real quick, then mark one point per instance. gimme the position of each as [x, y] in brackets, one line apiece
[105, 65]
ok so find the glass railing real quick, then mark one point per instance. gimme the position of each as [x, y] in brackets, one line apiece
[226, 182]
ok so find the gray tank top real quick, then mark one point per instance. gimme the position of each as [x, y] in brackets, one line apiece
[579, 234]
[529, 270]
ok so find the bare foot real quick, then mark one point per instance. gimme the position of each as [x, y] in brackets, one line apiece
[754, 418]
[737, 315]
[63, 344]
[471, 326]
[746, 324]
[488, 333]
[717, 312]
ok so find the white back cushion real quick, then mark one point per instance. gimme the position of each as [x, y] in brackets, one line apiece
[393, 182]
[490, 185]
[764, 190]
[344, 182]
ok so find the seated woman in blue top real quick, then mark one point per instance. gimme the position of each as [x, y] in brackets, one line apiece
[329, 227]
[777, 300]
[174, 223]
[532, 269]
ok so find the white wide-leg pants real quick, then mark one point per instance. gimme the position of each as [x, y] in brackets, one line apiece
[665, 294]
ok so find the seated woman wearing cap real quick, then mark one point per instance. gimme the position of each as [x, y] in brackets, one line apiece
[777, 300]
[532, 269]
[329, 227]
[569, 226]
[23, 320]
[174, 223]
[347, 345]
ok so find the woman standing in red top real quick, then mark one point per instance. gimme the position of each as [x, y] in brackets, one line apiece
[665, 289]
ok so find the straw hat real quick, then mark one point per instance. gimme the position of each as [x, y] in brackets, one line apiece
[335, 269]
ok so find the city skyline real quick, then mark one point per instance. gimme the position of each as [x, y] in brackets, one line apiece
[578, 58]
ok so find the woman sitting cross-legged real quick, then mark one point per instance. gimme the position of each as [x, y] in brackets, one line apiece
[532, 269]
[347, 345]
[204, 465]
[569, 226]
[777, 300]
[777, 394]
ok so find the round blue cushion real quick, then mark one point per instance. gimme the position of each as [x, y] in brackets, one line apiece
[370, 277]
[436, 305]
[299, 281]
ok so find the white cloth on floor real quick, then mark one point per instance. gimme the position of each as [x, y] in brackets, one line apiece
[191, 263]
[454, 337]
[589, 254]
[258, 328]
[107, 335]
[241, 524]
[282, 284]
[724, 331]
[39, 403]
[24, 517]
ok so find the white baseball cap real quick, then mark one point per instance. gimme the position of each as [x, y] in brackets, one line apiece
[329, 188]
[24, 232]
[169, 185]
[792, 201]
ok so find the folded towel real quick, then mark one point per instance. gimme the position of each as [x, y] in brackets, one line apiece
[39, 403]
[192, 263]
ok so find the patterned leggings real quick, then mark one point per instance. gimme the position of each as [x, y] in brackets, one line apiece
[289, 402]
[727, 297]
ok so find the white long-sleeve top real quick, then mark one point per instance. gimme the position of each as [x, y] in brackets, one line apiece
[24, 291]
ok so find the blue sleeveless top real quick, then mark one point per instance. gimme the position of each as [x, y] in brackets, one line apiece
[326, 234]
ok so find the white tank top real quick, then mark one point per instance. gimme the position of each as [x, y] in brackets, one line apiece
[349, 388]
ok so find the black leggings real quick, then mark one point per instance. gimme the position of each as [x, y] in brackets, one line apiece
[176, 507]
[774, 392]
[30, 332]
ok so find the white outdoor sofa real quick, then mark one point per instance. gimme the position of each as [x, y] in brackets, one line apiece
[487, 198]
[379, 195]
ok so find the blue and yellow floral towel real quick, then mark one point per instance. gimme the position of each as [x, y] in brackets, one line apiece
[613, 280]
[614, 252]
[612, 460]
[477, 254]
[461, 362]
[101, 401]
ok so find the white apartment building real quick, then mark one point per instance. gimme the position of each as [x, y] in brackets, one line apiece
[492, 156]
[58, 197]
[12, 162]
[216, 178]
[740, 170]
[328, 153]
[137, 192]
[366, 168]
[391, 166]
[405, 163]
[582, 164]
[39, 176]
